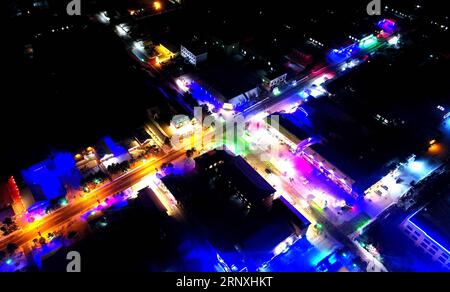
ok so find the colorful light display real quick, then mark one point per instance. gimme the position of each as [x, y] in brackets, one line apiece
[387, 25]
[340, 55]
[368, 42]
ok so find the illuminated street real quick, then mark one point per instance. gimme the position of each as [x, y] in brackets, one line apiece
[201, 137]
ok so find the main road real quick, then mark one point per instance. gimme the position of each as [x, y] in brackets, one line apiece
[64, 215]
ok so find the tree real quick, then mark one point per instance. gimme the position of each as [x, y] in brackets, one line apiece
[71, 234]
[189, 153]
[8, 221]
[42, 241]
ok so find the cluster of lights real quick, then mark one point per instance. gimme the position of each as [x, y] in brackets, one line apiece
[60, 29]
[441, 26]
[315, 42]
[330, 173]
[283, 246]
[350, 64]
[139, 45]
[340, 55]
[387, 25]
[368, 42]
[393, 41]
[441, 108]
[122, 29]
[396, 11]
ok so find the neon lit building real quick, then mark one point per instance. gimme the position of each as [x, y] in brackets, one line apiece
[429, 228]
[387, 25]
[336, 56]
[10, 197]
[52, 177]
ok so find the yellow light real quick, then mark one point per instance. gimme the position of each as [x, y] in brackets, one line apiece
[227, 106]
[90, 149]
[78, 156]
[432, 142]
[157, 5]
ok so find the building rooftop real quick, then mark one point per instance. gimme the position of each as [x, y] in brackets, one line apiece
[196, 47]
[361, 150]
[434, 220]
[229, 77]
[228, 202]
[239, 172]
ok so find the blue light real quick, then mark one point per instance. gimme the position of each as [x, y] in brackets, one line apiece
[447, 124]
[47, 179]
[115, 149]
[203, 96]
[9, 262]
[340, 55]
[426, 234]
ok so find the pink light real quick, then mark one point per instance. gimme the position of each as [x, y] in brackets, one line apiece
[302, 165]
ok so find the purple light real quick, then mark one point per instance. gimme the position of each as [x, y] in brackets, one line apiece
[387, 25]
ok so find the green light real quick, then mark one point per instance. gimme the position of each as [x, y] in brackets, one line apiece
[276, 91]
[63, 202]
[368, 42]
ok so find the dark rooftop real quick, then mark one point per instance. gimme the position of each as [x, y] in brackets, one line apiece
[196, 47]
[217, 198]
[239, 172]
[229, 77]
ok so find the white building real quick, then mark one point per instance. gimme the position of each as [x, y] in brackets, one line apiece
[194, 54]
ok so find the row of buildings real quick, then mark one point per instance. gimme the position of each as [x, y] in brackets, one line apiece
[236, 210]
